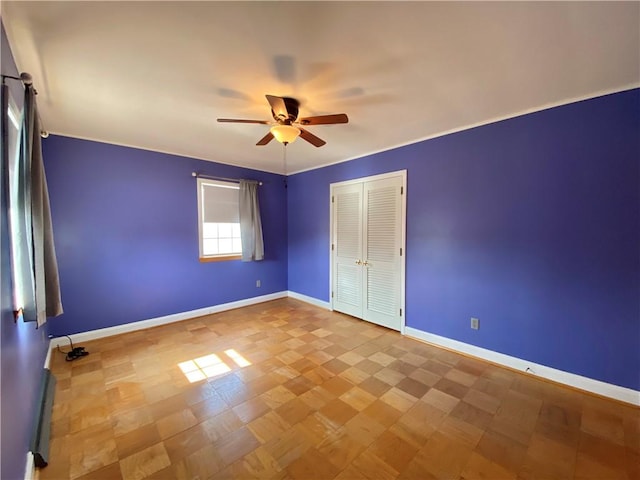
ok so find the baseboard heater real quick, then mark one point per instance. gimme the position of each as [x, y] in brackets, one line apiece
[42, 426]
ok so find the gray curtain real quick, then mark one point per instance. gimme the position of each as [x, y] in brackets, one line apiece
[250, 223]
[33, 248]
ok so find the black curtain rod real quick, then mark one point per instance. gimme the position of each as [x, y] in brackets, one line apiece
[210, 177]
[24, 77]
[27, 80]
[11, 77]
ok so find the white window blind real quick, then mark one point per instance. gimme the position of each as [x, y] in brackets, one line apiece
[218, 218]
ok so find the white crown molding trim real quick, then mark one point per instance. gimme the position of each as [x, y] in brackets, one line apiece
[30, 468]
[591, 385]
[155, 322]
[310, 300]
[482, 123]
[159, 150]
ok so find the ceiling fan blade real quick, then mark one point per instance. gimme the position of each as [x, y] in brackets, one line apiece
[236, 120]
[325, 119]
[278, 106]
[311, 138]
[266, 139]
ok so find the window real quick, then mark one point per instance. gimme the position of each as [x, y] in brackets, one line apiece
[218, 220]
[13, 125]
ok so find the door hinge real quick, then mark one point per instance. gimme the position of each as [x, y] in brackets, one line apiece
[401, 190]
[332, 245]
[332, 294]
[332, 198]
[400, 312]
[400, 251]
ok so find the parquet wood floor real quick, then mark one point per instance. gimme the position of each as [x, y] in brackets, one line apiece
[285, 390]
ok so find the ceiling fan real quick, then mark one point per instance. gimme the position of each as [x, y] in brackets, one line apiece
[288, 126]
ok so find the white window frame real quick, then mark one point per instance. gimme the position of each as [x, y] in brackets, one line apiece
[202, 183]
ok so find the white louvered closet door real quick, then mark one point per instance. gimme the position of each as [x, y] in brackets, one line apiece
[382, 222]
[367, 249]
[347, 249]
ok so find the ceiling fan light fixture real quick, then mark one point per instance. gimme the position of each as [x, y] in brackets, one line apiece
[285, 133]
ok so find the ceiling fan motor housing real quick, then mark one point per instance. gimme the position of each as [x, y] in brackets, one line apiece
[292, 106]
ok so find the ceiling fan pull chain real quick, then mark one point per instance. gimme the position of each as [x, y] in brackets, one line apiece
[284, 157]
[284, 161]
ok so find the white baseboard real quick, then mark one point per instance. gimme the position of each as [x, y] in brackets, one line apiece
[47, 359]
[155, 322]
[30, 468]
[616, 392]
[311, 300]
[623, 394]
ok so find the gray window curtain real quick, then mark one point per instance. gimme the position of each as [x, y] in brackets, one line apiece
[33, 248]
[250, 223]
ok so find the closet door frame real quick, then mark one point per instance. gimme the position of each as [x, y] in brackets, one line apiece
[403, 234]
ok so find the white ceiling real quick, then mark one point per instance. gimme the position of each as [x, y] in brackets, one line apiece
[156, 75]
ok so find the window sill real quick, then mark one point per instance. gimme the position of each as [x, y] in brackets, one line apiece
[220, 258]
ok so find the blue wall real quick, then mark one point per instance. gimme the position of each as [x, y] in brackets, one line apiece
[531, 224]
[126, 229]
[22, 348]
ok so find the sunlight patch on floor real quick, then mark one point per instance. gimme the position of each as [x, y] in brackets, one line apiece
[204, 367]
[236, 357]
[211, 366]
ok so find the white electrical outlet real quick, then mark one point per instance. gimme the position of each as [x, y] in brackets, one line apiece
[258, 283]
[475, 323]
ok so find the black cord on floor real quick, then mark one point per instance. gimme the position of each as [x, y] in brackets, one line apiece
[70, 343]
[74, 353]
